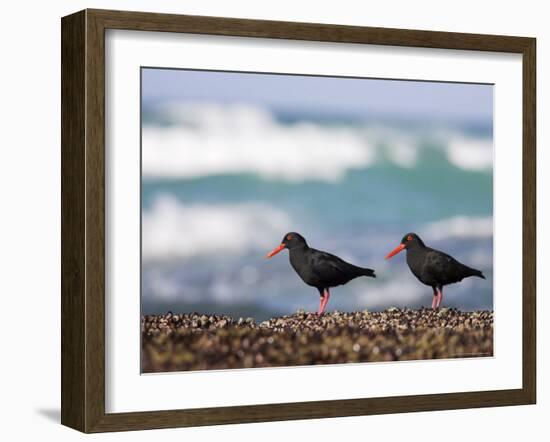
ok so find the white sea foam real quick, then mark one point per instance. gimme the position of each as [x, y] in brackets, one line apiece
[460, 227]
[403, 153]
[214, 139]
[211, 138]
[470, 154]
[172, 229]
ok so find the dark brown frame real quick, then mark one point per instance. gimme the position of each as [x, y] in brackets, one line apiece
[83, 220]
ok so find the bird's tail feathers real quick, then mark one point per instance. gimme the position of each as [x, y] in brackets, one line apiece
[477, 273]
[367, 272]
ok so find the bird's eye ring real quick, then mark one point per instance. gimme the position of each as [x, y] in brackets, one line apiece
[289, 237]
[409, 238]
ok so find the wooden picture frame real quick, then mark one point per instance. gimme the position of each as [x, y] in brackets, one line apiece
[83, 220]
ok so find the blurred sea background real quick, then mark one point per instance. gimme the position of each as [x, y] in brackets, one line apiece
[233, 161]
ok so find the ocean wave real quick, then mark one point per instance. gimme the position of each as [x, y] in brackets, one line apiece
[470, 154]
[171, 229]
[460, 227]
[242, 138]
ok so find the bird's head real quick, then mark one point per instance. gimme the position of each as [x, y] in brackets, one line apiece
[290, 241]
[409, 241]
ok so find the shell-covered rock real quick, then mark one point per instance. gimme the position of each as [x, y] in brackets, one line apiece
[179, 342]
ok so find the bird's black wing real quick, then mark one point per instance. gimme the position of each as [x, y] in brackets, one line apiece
[444, 268]
[331, 269]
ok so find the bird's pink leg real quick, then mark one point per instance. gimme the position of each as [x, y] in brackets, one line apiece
[321, 306]
[439, 297]
[327, 296]
[324, 302]
[434, 299]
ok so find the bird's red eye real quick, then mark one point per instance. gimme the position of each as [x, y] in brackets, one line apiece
[409, 238]
[289, 237]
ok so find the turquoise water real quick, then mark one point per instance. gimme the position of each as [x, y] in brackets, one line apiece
[350, 187]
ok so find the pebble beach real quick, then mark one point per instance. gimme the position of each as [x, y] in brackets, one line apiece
[182, 342]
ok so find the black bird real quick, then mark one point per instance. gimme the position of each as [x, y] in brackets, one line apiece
[432, 267]
[318, 269]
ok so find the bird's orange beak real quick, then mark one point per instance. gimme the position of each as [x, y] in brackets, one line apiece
[275, 251]
[395, 251]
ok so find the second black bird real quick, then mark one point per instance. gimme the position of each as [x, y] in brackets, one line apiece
[318, 269]
[432, 267]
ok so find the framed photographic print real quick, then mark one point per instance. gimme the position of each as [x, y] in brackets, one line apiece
[277, 220]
